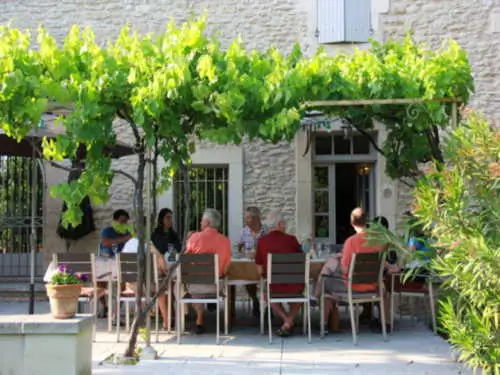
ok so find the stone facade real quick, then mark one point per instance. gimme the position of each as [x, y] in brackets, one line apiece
[274, 176]
[475, 25]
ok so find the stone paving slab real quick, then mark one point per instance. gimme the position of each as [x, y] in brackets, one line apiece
[412, 350]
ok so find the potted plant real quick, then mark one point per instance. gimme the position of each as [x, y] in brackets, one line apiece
[63, 291]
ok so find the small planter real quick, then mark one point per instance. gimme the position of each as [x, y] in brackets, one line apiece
[63, 300]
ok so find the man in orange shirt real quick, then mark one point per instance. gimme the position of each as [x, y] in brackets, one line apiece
[208, 241]
[357, 243]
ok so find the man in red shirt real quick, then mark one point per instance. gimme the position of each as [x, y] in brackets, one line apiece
[277, 241]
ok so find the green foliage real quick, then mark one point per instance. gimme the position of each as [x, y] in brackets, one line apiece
[460, 208]
[396, 70]
[181, 84]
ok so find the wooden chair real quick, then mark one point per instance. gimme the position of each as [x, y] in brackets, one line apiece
[365, 268]
[200, 269]
[413, 289]
[126, 265]
[290, 268]
[83, 263]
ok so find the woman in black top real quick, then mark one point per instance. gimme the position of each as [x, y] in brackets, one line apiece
[164, 236]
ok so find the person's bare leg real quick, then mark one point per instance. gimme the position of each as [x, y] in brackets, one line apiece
[327, 308]
[290, 317]
[334, 319]
[162, 304]
[198, 307]
[252, 293]
[280, 311]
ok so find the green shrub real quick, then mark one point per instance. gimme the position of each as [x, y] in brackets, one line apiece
[458, 205]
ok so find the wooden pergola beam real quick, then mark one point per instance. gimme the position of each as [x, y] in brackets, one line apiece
[347, 103]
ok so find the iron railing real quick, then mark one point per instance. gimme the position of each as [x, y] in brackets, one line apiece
[16, 182]
[208, 189]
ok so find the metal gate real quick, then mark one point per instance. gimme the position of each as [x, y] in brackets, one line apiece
[209, 189]
[16, 183]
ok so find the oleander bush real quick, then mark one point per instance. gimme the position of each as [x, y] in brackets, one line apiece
[458, 205]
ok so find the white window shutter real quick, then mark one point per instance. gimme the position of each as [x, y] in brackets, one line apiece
[341, 21]
[331, 25]
[357, 20]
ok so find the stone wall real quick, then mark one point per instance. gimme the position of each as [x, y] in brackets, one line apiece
[269, 170]
[475, 25]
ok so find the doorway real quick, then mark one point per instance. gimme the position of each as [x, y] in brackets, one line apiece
[339, 188]
[352, 189]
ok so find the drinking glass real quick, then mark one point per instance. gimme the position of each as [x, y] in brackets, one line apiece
[319, 250]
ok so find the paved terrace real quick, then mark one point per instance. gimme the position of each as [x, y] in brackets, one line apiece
[412, 349]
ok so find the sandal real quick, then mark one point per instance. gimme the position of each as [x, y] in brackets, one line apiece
[284, 332]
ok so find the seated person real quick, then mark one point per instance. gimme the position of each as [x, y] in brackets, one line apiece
[208, 241]
[114, 237]
[277, 241]
[165, 240]
[164, 237]
[357, 243]
[250, 234]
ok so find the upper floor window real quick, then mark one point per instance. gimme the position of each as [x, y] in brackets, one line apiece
[343, 21]
[338, 144]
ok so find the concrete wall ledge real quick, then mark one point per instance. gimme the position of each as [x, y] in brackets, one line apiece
[43, 324]
[40, 344]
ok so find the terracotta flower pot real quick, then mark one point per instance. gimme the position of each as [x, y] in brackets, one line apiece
[63, 300]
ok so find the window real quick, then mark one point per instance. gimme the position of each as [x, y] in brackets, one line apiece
[337, 144]
[321, 198]
[208, 189]
[343, 21]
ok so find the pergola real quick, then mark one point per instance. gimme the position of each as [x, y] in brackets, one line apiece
[311, 124]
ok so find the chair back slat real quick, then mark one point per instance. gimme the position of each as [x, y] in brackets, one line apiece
[128, 266]
[366, 267]
[79, 267]
[62, 258]
[280, 268]
[290, 278]
[198, 258]
[288, 258]
[198, 279]
[128, 257]
[287, 268]
[198, 269]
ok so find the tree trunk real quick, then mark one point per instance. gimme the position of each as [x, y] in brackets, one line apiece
[139, 209]
[154, 188]
[187, 201]
[139, 203]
